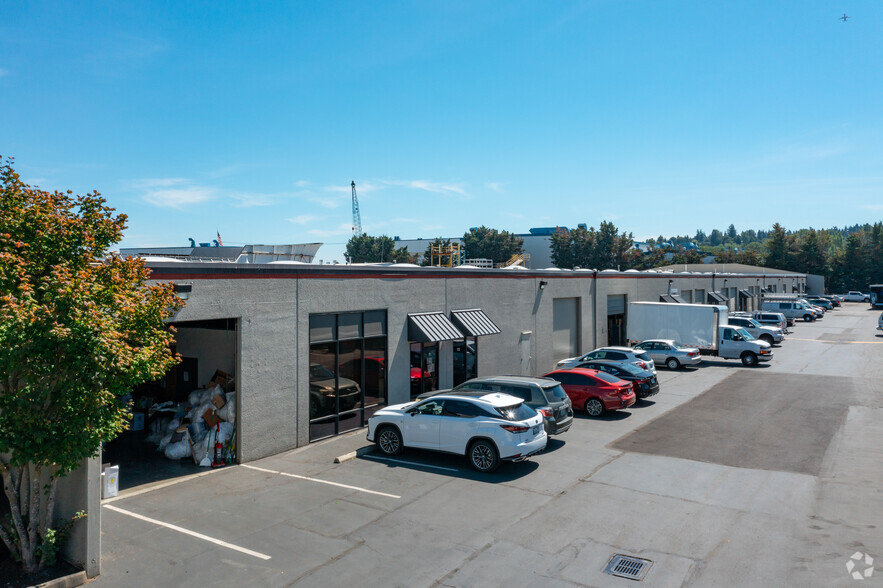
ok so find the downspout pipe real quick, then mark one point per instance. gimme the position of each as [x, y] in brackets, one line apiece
[595, 308]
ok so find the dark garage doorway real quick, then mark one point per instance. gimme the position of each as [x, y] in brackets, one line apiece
[162, 410]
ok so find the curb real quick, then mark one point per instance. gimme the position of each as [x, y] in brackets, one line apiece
[353, 454]
[70, 581]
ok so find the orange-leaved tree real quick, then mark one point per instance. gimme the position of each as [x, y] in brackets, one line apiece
[78, 329]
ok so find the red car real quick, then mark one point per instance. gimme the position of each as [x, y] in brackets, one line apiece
[594, 391]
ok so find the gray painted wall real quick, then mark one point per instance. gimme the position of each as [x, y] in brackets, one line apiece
[274, 326]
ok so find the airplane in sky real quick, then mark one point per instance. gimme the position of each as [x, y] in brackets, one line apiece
[844, 17]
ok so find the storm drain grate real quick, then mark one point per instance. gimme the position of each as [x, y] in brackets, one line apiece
[633, 568]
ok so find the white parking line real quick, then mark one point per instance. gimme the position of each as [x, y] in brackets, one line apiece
[318, 481]
[413, 463]
[188, 532]
[827, 341]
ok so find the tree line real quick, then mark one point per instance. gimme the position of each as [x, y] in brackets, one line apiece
[849, 258]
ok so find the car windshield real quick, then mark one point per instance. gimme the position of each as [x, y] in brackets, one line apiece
[753, 322]
[745, 334]
[679, 345]
[630, 368]
[555, 393]
[320, 372]
[643, 356]
[517, 412]
[607, 377]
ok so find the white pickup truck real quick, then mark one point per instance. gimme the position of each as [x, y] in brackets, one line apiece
[856, 296]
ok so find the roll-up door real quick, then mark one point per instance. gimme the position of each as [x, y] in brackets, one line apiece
[565, 327]
[616, 304]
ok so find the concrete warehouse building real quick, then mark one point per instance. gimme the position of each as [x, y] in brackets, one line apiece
[305, 352]
[292, 335]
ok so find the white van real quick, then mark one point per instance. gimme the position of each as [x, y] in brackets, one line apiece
[795, 310]
[772, 319]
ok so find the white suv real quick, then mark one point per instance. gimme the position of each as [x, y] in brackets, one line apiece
[758, 331]
[636, 357]
[486, 429]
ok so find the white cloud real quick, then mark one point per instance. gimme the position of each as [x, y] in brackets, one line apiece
[179, 198]
[495, 186]
[427, 186]
[303, 219]
[248, 200]
[872, 207]
[176, 193]
[148, 183]
[301, 183]
[4, 72]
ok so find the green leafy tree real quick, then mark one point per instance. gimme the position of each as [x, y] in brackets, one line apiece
[778, 249]
[367, 249]
[731, 233]
[485, 243]
[562, 248]
[601, 249]
[686, 256]
[811, 256]
[78, 329]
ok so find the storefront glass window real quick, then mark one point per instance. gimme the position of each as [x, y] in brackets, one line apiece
[424, 368]
[465, 360]
[347, 371]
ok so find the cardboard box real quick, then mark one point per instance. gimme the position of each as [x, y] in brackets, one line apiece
[222, 379]
[211, 418]
[219, 401]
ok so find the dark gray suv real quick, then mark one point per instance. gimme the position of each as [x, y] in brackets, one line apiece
[544, 395]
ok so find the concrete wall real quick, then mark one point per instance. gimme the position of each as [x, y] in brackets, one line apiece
[274, 306]
[81, 490]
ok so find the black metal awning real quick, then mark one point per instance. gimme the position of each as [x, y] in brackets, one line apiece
[743, 293]
[674, 298]
[716, 298]
[431, 327]
[474, 322]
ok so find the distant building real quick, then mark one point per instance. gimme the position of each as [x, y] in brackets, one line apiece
[303, 253]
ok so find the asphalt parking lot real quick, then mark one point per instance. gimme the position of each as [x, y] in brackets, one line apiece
[730, 476]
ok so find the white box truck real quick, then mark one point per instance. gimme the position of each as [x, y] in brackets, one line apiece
[698, 325]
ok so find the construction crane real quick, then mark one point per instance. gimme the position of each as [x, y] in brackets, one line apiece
[357, 218]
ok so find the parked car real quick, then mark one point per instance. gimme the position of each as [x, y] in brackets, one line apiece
[772, 319]
[822, 302]
[324, 399]
[486, 429]
[834, 300]
[671, 353]
[758, 331]
[643, 382]
[541, 394]
[618, 354]
[594, 391]
[880, 323]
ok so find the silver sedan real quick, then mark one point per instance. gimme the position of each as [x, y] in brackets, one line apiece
[670, 353]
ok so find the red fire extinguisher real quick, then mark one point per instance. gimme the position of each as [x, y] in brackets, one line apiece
[218, 459]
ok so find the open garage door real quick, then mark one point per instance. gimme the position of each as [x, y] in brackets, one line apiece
[178, 419]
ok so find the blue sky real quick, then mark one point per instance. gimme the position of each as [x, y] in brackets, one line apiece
[252, 118]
